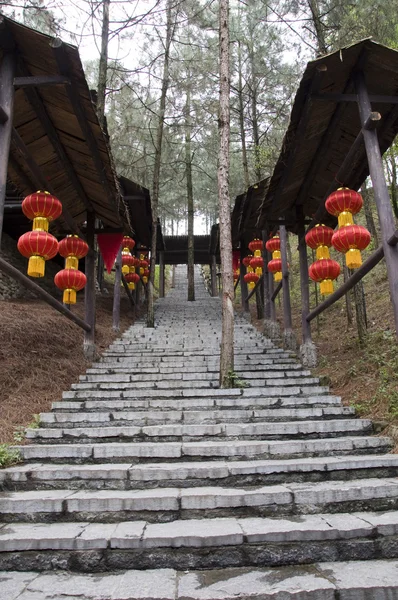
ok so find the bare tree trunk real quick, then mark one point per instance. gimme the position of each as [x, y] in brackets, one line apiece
[318, 26]
[227, 338]
[256, 134]
[157, 165]
[242, 120]
[368, 214]
[188, 171]
[103, 63]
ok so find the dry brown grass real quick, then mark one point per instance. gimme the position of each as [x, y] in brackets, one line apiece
[41, 355]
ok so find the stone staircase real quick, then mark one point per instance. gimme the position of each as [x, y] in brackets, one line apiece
[147, 481]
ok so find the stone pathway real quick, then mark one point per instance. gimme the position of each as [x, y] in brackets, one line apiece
[147, 481]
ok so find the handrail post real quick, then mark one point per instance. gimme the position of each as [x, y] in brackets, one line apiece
[116, 292]
[289, 338]
[308, 351]
[243, 285]
[161, 274]
[382, 197]
[271, 325]
[89, 290]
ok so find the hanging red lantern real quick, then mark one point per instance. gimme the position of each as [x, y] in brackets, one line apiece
[236, 275]
[275, 267]
[273, 245]
[257, 264]
[41, 208]
[235, 259]
[246, 260]
[319, 238]
[324, 271]
[132, 279]
[343, 203]
[350, 240]
[70, 281]
[38, 246]
[72, 248]
[128, 243]
[143, 265]
[145, 275]
[256, 246]
[128, 263]
[251, 280]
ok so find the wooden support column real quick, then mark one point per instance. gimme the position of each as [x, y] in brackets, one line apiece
[307, 349]
[289, 339]
[271, 325]
[213, 275]
[7, 70]
[173, 277]
[243, 285]
[380, 189]
[89, 290]
[116, 292]
[161, 274]
[266, 294]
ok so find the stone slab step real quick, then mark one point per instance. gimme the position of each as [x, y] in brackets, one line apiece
[168, 504]
[127, 375]
[246, 367]
[262, 430]
[231, 473]
[246, 449]
[375, 579]
[199, 381]
[157, 416]
[238, 401]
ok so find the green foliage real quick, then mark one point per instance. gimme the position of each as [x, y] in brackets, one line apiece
[235, 381]
[9, 456]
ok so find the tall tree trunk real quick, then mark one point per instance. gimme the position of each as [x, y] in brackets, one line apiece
[158, 158]
[227, 337]
[188, 172]
[256, 134]
[368, 214]
[242, 120]
[103, 63]
[318, 26]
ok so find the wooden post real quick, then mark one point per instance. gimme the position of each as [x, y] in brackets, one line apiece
[382, 198]
[289, 339]
[173, 277]
[116, 292]
[243, 284]
[213, 276]
[307, 349]
[7, 70]
[161, 274]
[89, 290]
[266, 294]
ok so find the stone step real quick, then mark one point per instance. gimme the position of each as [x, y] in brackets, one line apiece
[128, 376]
[168, 504]
[125, 476]
[157, 416]
[240, 402]
[372, 579]
[129, 367]
[210, 450]
[230, 431]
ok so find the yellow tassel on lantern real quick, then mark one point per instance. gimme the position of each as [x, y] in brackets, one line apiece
[322, 252]
[125, 269]
[36, 266]
[259, 271]
[278, 276]
[326, 287]
[131, 285]
[40, 224]
[71, 262]
[353, 258]
[69, 296]
[250, 285]
[276, 254]
[145, 279]
[257, 253]
[345, 218]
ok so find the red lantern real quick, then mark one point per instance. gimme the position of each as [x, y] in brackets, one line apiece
[128, 263]
[41, 208]
[38, 246]
[128, 243]
[350, 240]
[257, 264]
[251, 280]
[319, 238]
[145, 275]
[132, 279]
[70, 281]
[246, 260]
[143, 265]
[275, 267]
[72, 248]
[236, 275]
[324, 271]
[235, 259]
[343, 203]
[256, 246]
[273, 245]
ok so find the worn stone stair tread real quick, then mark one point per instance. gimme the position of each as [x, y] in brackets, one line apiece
[360, 580]
[263, 430]
[158, 472]
[298, 498]
[196, 533]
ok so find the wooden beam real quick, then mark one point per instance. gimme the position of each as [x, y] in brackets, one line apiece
[3, 116]
[287, 309]
[304, 285]
[27, 283]
[89, 290]
[116, 292]
[213, 276]
[128, 292]
[161, 275]
[7, 69]
[331, 97]
[39, 179]
[40, 80]
[381, 193]
[62, 60]
[276, 292]
[37, 104]
[256, 287]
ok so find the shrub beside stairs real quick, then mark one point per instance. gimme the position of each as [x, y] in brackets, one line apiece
[147, 481]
